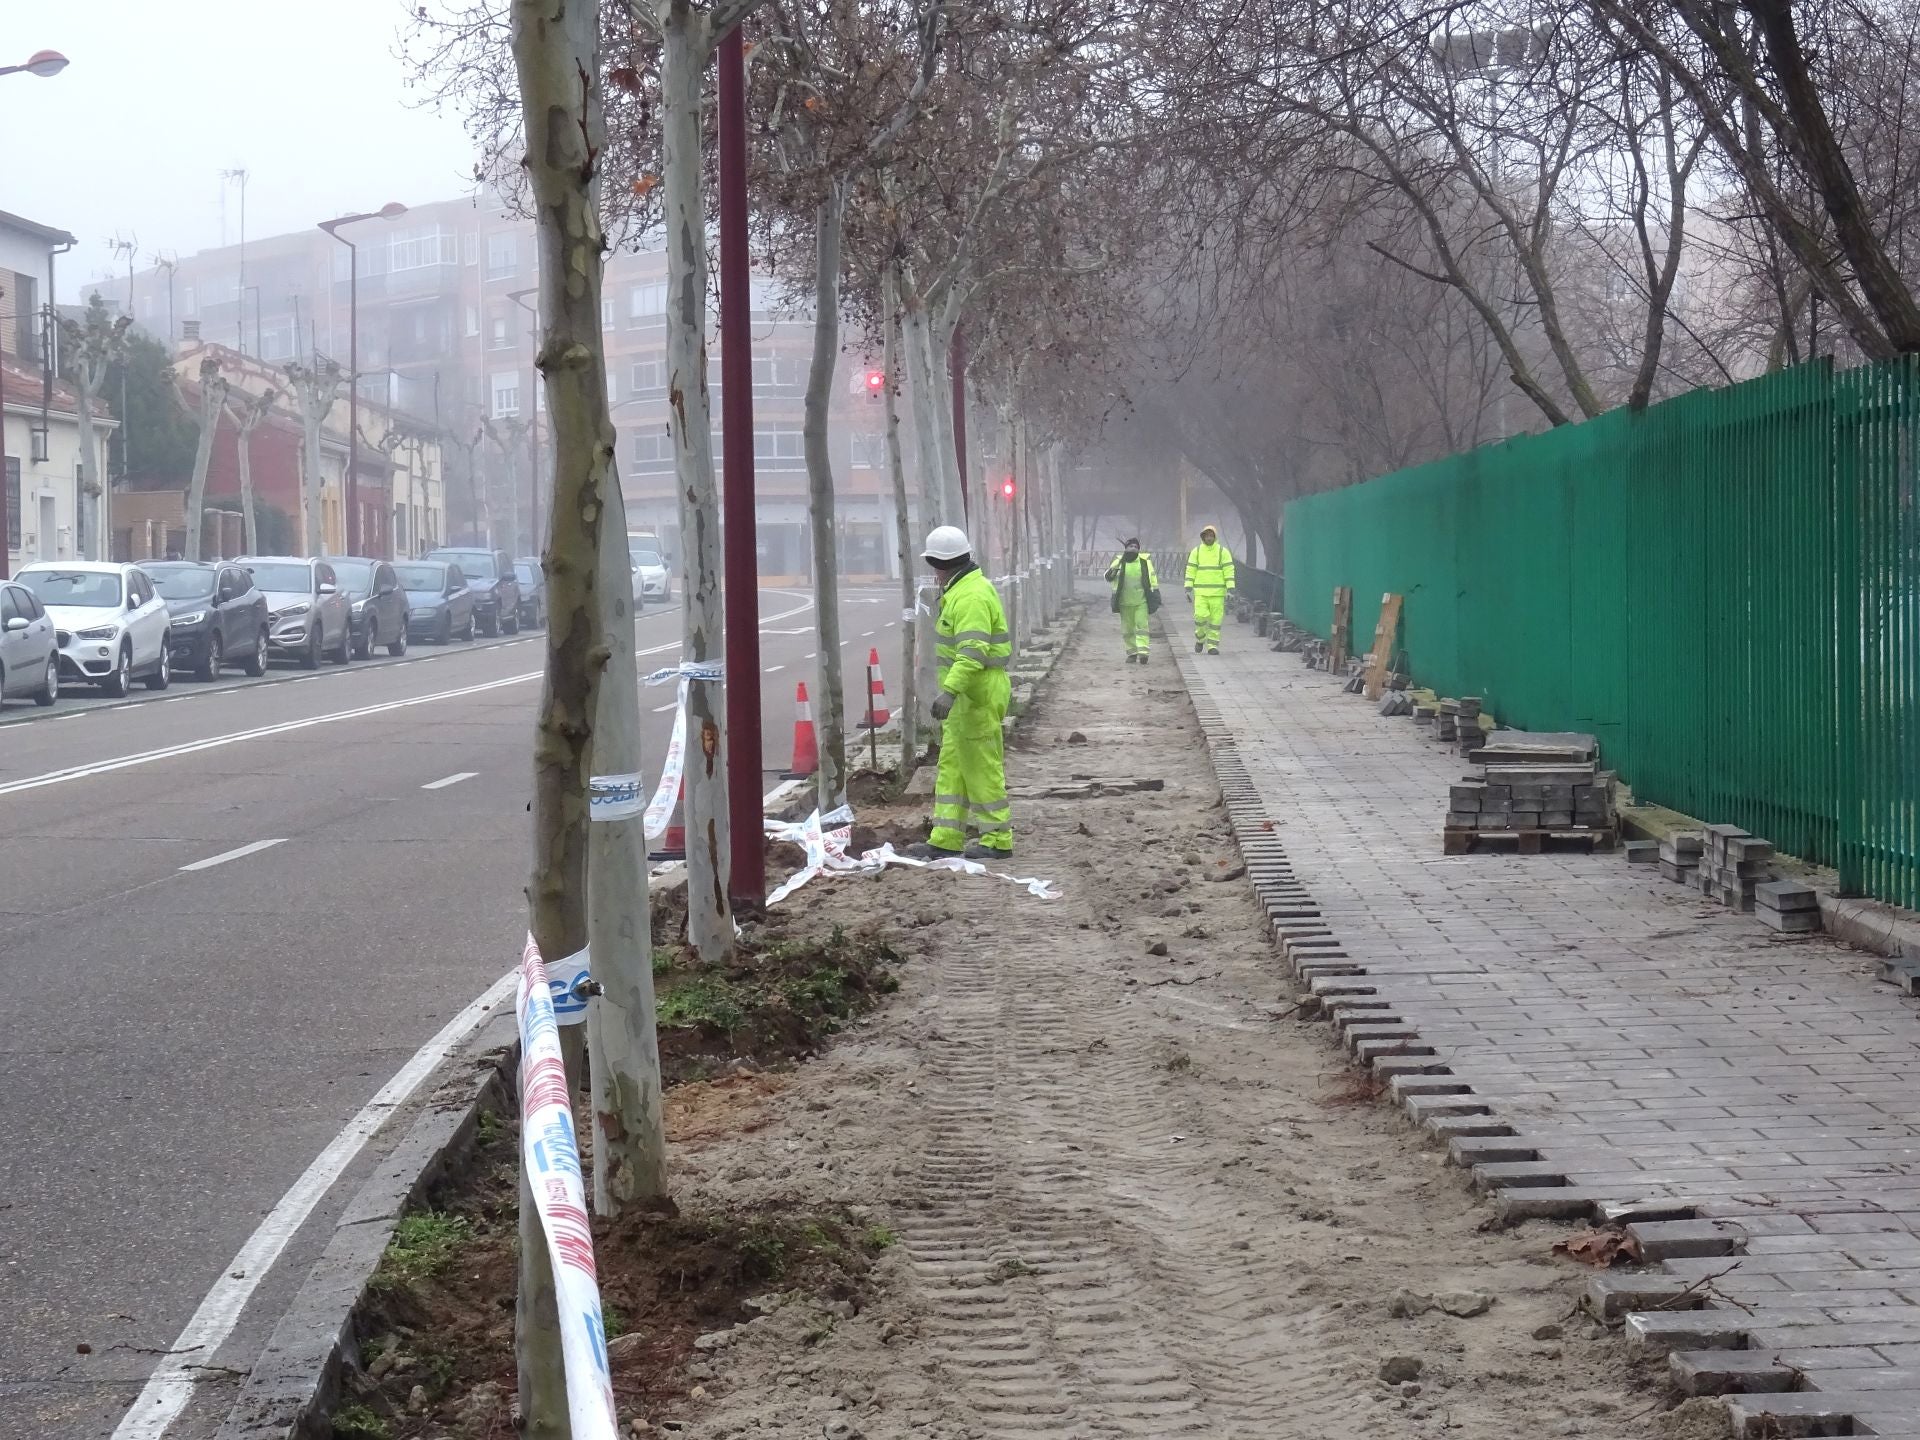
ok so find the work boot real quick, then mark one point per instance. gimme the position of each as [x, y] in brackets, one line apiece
[922, 850]
[976, 851]
[1213, 650]
[1199, 647]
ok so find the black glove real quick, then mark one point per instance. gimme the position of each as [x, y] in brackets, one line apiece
[943, 706]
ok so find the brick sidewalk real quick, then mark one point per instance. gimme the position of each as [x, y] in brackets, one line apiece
[1596, 1042]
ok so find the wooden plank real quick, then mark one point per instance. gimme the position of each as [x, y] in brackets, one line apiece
[1342, 640]
[1382, 652]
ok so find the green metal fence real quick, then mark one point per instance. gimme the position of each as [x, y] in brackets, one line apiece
[1725, 589]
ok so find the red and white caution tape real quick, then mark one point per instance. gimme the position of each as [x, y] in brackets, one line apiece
[617, 797]
[827, 851]
[551, 1158]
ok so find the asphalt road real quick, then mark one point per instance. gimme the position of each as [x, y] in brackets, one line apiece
[192, 1025]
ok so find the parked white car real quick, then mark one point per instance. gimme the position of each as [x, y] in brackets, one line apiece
[112, 625]
[652, 581]
[29, 653]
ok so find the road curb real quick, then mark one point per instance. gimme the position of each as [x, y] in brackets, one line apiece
[292, 1387]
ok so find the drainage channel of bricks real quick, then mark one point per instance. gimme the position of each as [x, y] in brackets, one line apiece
[1786, 1366]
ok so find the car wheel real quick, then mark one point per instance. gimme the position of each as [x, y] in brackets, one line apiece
[472, 625]
[364, 649]
[345, 652]
[311, 660]
[257, 661]
[120, 683]
[511, 623]
[398, 645]
[212, 658]
[162, 676]
[445, 636]
[488, 626]
[50, 691]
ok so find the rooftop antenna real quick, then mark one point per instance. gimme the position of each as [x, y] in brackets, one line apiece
[239, 177]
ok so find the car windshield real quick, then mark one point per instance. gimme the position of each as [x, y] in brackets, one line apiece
[476, 564]
[526, 574]
[297, 578]
[187, 582]
[353, 574]
[421, 577]
[94, 588]
[646, 557]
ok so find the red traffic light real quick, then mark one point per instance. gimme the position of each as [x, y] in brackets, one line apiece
[876, 381]
[1006, 487]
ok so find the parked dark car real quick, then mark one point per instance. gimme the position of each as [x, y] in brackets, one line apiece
[533, 594]
[219, 616]
[439, 601]
[496, 594]
[376, 605]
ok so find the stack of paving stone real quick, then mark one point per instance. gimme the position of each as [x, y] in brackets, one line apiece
[1527, 801]
[1734, 863]
[1680, 856]
[1787, 906]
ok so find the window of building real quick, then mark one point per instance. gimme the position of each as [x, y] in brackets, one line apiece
[473, 321]
[500, 333]
[606, 312]
[652, 447]
[646, 376]
[645, 300]
[470, 248]
[869, 451]
[13, 502]
[503, 254]
[506, 393]
[418, 249]
[778, 445]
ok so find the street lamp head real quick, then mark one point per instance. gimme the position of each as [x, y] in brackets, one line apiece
[392, 210]
[45, 62]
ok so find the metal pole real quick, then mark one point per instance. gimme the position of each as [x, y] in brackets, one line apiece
[745, 775]
[959, 369]
[351, 490]
[6, 536]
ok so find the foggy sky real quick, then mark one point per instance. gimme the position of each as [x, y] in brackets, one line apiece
[130, 139]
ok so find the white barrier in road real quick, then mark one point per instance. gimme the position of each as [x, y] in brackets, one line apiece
[550, 1158]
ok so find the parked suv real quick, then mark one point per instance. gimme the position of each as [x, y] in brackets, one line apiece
[309, 614]
[376, 605]
[29, 653]
[111, 625]
[219, 615]
[532, 579]
[496, 594]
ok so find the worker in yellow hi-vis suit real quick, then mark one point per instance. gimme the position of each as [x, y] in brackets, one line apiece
[1209, 578]
[1136, 595]
[974, 648]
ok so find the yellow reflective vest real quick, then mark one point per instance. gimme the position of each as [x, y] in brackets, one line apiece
[973, 643]
[1131, 580]
[1210, 567]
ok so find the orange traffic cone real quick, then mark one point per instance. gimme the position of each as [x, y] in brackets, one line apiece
[806, 745]
[877, 712]
[672, 844]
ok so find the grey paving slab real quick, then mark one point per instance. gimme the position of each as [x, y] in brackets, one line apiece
[1641, 1045]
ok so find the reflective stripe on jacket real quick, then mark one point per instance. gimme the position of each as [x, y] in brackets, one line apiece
[1126, 576]
[1210, 567]
[971, 637]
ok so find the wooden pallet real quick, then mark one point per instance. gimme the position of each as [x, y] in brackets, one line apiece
[1528, 842]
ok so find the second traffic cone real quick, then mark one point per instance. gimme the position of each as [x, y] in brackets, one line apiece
[877, 712]
[672, 844]
[806, 745]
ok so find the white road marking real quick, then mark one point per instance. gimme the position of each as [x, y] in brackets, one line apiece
[215, 742]
[225, 855]
[663, 709]
[172, 1383]
[775, 669]
[453, 779]
[866, 634]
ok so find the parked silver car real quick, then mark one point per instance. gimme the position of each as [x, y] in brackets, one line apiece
[111, 623]
[308, 616]
[29, 651]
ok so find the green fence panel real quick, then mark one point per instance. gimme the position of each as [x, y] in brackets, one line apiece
[1725, 589]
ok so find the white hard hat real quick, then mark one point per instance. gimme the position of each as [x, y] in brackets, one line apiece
[947, 542]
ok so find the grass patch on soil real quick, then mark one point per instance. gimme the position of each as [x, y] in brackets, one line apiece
[436, 1337]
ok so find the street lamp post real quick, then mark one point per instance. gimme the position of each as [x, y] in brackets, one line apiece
[390, 211]
[519, 297]
[43, 63]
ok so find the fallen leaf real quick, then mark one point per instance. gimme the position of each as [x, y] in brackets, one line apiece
[1600, 1248]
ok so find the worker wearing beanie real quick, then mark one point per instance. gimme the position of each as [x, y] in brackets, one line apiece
[974, 649]
[1209, 578]
[1136, 595]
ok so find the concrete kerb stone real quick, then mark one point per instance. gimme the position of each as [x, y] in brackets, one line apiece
[296, 1380]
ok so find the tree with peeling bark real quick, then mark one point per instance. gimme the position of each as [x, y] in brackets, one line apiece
[315, 388]
[248, 410]
[207, 405]
[89, 348]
